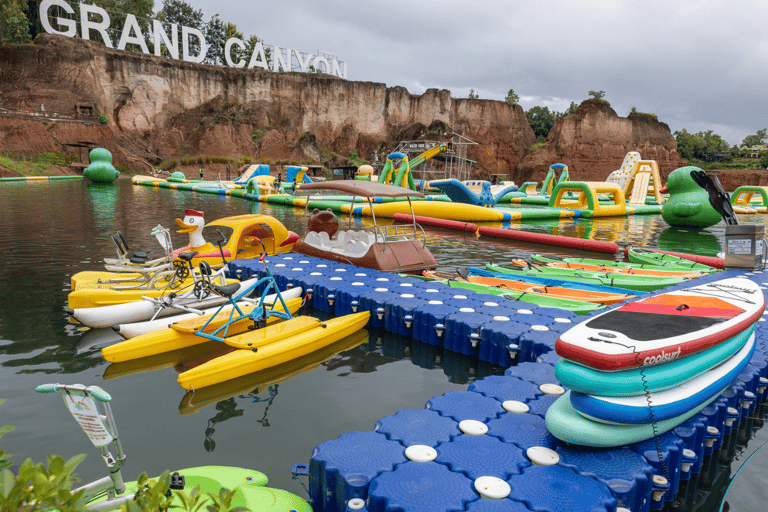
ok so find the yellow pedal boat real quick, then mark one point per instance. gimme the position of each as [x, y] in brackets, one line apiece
[271, 346]
[182, 334]
[91, 289]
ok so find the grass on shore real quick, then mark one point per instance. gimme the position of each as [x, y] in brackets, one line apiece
[34, 165]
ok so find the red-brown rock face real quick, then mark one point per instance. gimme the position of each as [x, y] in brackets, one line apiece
[594, 140]
[159, 108]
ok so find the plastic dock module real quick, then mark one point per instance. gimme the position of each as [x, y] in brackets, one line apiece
[491, 440]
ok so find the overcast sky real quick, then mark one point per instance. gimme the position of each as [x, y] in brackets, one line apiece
[698, 65]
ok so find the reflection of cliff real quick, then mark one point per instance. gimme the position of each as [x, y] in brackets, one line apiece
[593, 140]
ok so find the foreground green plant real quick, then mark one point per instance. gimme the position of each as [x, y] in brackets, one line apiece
[37, 487]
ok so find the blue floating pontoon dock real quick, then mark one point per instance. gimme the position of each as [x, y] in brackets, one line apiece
[440, 457]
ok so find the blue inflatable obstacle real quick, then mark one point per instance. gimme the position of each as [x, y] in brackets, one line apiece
[459, 192]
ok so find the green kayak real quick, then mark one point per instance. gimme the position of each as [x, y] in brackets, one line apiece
[574, 306]
[620, 264]
[628, 281]
[644, 256]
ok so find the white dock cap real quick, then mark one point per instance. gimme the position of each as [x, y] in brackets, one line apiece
[420, 453]
[515, 406]
[473, 427]
[492, 488]
[542, 456]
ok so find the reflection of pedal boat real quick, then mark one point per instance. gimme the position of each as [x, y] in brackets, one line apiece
[394, 248]
[257, 382]
[131, 330]
[182, 334]
[272, 346]
[536, 289]
[182, 357]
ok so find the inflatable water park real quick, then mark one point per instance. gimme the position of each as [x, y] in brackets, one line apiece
[622, 380]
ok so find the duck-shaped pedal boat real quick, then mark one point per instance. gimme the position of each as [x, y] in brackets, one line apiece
[242, 234]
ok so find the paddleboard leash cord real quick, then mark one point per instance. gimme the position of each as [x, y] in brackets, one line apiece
[651, 415]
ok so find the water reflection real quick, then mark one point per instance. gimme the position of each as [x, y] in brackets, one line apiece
[682, 240]
[103, 198]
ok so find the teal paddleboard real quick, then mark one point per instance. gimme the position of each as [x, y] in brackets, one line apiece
[569, 426]
[655, 378]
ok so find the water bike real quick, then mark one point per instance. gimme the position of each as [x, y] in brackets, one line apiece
[261, 340]
[90, 406]
[195, 300]
[181, 283]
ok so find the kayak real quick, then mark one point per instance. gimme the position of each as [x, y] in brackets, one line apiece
[645, 256]
[648, 265]
[551, 263]
[580, 308]
[261, 349]
[553, 281]
[182, 334]
[534, 289]
[131, 330]
[631, 282]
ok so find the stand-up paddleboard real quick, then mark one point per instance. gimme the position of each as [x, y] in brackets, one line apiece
[664, 405]
[566, 424]
[664, 327]
[654, 378]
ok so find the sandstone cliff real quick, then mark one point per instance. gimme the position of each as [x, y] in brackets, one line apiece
[593, 140]
[159, 108]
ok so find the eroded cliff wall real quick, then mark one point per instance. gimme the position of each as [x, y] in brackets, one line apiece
[593, 141]
[159, 108]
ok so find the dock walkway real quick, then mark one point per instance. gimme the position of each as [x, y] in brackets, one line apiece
[435, 458]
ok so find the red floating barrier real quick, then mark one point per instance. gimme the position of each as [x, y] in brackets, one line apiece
[704, 260]
[432, 221]
[560, 241]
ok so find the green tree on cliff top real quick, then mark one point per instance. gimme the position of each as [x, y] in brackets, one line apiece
[14, 24]
[512, 98]
[597, 95]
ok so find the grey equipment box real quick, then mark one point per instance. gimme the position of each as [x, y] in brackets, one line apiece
[744, 245]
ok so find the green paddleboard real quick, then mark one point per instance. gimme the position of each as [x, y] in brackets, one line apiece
[566, 424]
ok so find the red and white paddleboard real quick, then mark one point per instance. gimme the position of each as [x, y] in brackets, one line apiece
[664, 327]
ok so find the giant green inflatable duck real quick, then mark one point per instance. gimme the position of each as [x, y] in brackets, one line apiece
[101, 169]
[688, 204]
